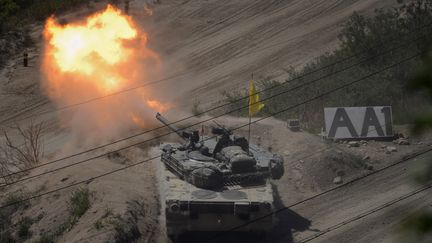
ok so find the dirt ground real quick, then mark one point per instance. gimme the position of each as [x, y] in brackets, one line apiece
[217, 44]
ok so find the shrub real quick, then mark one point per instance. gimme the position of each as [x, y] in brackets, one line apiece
[6, 214]
[79, 203]
[196, 109]
[46, 238]
[98, 224]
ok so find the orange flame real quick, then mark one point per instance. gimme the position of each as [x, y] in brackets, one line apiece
[137, 120]
[102, 55]
[156, 105]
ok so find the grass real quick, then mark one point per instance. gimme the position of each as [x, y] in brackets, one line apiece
[126, 228]
[79, 203]
[139, 223]
[50, 237]
[6, 234]
[126, 232]
[100, 223]
[14, 197]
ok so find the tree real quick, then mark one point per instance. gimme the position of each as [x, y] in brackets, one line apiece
[15, 157]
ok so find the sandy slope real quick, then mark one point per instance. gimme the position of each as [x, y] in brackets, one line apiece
[223, 42]
[220, 43]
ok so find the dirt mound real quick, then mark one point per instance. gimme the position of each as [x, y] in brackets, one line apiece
[325, 169]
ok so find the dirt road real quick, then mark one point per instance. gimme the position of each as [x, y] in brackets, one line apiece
[342, 205]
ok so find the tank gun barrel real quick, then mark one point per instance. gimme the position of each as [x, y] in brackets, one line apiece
[193, 137]
[175, 129]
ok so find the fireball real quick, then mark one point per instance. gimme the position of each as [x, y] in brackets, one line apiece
[100, 57]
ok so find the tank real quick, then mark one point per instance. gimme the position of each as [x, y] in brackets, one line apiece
[215, 183]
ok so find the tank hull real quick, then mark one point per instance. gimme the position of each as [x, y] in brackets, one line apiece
[191, 209]
[215, 223]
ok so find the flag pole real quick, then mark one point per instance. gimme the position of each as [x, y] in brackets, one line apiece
[250, 117]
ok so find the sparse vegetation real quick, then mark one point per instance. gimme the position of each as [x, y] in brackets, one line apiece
[79, 204]
[6, 233]
[46, 238]
[196, 108]
[126, 232]
[100, 223]
[366, 38]
[49, 237]
[15, 199]
[137, 222]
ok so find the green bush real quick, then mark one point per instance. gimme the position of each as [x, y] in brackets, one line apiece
[79, 203]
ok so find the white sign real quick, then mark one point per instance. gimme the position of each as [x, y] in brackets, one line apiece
[358, 122]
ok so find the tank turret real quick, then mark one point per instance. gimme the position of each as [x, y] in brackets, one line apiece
[192, 136]
[213, 163]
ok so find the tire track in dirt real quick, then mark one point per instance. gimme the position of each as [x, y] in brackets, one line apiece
[222, 53]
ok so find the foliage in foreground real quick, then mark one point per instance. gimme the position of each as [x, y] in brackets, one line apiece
[418, 226]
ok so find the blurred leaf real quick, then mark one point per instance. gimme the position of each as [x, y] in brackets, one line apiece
[422, 171]
[423, 79]
[420, 222]
[7, 9]
[421, 123]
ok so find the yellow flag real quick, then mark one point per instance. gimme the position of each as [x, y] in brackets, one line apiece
[255, 104]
